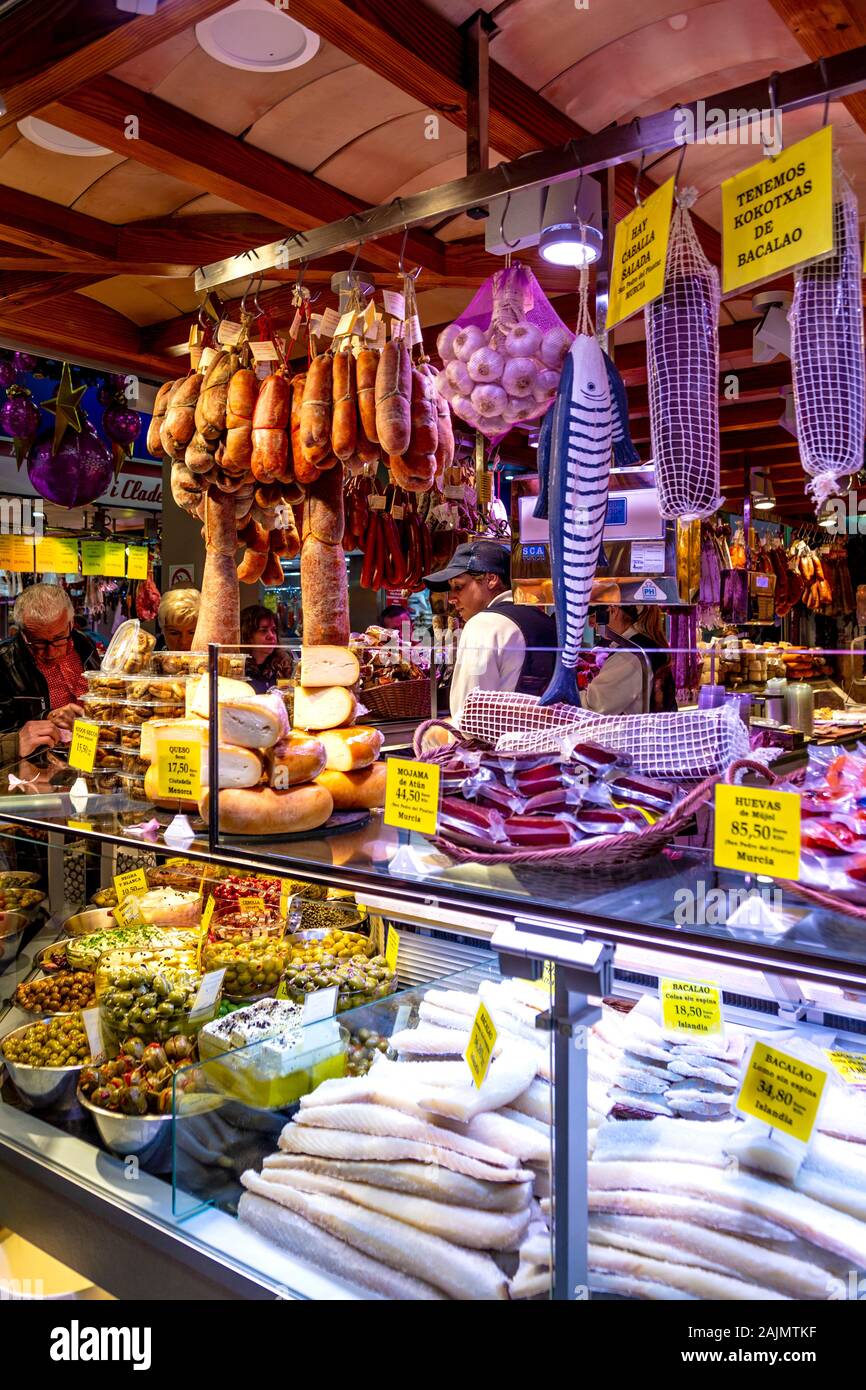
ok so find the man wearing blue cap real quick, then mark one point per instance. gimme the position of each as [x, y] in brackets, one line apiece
[504, 645]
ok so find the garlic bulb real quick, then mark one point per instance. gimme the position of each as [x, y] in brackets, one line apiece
[486, 364]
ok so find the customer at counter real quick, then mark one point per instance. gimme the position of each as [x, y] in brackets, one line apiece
[503, 645]
[177, 617]
[266, 663]
[41, 667]
[624, 683]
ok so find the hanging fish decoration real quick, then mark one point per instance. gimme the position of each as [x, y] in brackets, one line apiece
[682, 342]
[826, 320]
[574, 456]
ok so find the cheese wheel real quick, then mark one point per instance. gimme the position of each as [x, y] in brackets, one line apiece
[298, 758]
[254, 721]
[351, 749]
[322, 666]
[154, 729]
[198, 693]
[325, 707]
[356, 791]
[264, 811]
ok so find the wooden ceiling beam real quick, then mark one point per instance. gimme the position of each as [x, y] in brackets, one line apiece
[21, 292]
[764, 380]
[56, 45]
[85, 331]
[421, 53]
[177, 143]
[52, 229]
[824, 28]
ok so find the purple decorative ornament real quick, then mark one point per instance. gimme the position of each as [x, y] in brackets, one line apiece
[79, 472]
[7, 374]
[24, 361]
[120, 425]
[19, 415]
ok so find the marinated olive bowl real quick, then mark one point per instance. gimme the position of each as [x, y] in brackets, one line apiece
[49, 959]
[42, 1087]
[148, 1137]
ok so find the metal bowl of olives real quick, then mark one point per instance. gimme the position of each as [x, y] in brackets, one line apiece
[91, 919]
[12, 928]
[148, 1137]
[39, 1084]
[51, 958]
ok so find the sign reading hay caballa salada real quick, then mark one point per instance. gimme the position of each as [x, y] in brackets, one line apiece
[779, 213]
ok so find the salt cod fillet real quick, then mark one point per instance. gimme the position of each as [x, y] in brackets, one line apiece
[822, 1225]
[328, 1254]
[508, 1077]
[703, 1283]
[661, 1204]
[430, 1041]
[379, 1119]
[521, 1140]
[335, 1143]
[459, 1273]
[530, 1281]
[479, 1230]
[630, 1287]
[536, 1102]
[415, 1179]
[724, 1254]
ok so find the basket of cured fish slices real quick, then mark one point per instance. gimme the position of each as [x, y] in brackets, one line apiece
[585, 805]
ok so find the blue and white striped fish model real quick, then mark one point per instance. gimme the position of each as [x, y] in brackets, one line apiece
[574, 455]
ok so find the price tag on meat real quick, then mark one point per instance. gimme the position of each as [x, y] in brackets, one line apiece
[781, 1090]
[178, 769]
[482, 1041]
[851, 1066]
[778, 213]
[392, 949]
[757, 831]
[208, 993]
[412, 795]
[691, 1006]
[639, 254]
[133, 881]
[82, 749]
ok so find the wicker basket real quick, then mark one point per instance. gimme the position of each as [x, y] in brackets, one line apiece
[599, 852]
[398, 699]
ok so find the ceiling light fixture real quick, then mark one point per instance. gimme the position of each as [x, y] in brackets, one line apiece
[571, 231]
[51, 137]
[761, 489]
[256, 36]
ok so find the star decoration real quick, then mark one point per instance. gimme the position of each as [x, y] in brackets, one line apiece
[64, 406]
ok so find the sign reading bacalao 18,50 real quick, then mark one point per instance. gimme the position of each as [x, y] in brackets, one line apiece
[779, 213]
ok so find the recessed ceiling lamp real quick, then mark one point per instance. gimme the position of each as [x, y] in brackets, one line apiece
[763, 498]
[51, 137]
[571, 234]
[256, 36]
[827, 516]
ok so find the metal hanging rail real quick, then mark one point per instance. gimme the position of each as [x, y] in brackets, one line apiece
[828, 79]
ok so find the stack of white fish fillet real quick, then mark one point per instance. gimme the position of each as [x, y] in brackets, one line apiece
[680, 1209]
[413, 1183]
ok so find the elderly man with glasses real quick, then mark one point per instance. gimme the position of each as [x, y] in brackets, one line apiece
[41, 671]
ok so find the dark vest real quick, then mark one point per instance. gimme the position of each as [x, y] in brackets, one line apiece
[539, 634]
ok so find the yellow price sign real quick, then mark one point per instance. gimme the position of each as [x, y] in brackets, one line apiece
[482, 1041]
[548, 977]
[778, 213]
[851, 1066]
[79, 825]
[82, 749]
[133, 881]
[56, 555]
[691, 1006]
[208, 912]
[392, 949]
[757, 831]
[412, 795]
[92, 557]
[782, 1091]
[128, 914]
[136, 562]
[16, 554]
[640, 252]
[178, 769]
[252, 905]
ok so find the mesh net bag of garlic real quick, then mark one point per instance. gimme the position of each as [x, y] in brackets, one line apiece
[502, 357]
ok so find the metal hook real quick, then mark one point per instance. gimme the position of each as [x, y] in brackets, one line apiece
[502, 237]
[577, 191]
[679, 168]
[822, 66]
[355, 258]
[407, 274]
[776, 138]
[250, 284]
[637, 178]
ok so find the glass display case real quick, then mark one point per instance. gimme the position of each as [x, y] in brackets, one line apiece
[607, 1155]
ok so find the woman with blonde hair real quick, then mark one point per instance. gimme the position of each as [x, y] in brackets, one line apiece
[177, 616]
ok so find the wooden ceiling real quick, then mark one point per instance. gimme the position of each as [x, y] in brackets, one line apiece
[97, 255]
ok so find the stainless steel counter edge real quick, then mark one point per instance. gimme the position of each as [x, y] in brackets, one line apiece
[68, 1197]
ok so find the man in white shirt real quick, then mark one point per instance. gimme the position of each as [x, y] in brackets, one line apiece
[504, 645]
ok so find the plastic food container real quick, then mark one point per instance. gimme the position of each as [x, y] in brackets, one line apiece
[143, 686]
[359, 979]
[310, 914]
[132, 784]
[254, 967]
[196, 663]
[232, 924]
[85, 952]
[129, 649]
[310, 946]
[276, 1072]
[148, 994]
